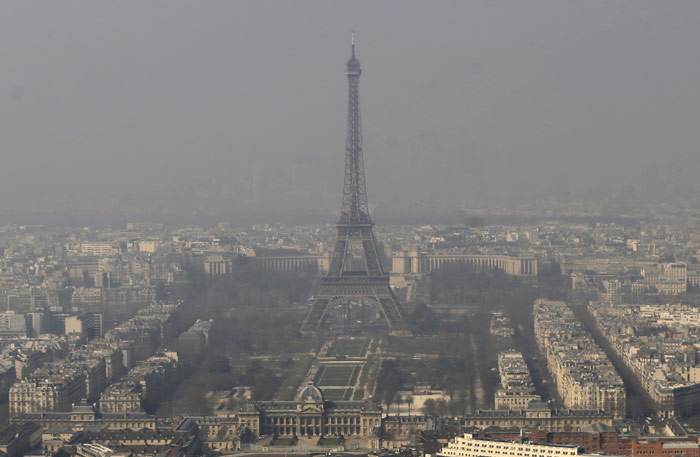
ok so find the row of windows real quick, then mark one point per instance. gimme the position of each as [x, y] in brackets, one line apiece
[513, 449]
[345, 430]
[514, 453]
[674, 452]
[560, 421]
[498, 446]
[316, 420]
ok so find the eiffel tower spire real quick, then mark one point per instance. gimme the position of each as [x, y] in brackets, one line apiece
[342, 284]
[355, 209]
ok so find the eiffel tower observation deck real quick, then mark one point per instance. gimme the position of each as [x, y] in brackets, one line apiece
[352, 283]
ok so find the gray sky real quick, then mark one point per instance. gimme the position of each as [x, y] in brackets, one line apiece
[168, 106]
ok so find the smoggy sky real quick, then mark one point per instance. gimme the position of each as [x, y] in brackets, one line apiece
[169, 106]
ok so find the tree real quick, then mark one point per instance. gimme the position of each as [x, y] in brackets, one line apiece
[397, 399]
[463, 400]
[441, 407]
[388, 383]
[423, 319]
[409, 401]
[430, 408]
[451, 394]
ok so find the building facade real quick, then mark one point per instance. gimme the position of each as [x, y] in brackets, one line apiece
[517, 389]
[538, 415]
[470, 446]
[84, 415]
[416, 262]
[311, 415]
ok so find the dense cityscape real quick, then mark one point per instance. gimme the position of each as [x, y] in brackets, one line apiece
[141, 337]
[552, 312]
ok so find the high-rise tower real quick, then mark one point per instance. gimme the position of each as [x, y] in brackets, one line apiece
[346, 281]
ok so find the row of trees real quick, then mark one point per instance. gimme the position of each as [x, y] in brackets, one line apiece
[464, 368]
[389, 383]
[442, 407]
[252, 315]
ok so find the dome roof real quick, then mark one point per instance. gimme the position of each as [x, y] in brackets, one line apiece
[310, 394]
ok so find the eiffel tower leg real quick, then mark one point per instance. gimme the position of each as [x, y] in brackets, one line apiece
[338, 257]
[390, 308]
[369, 248]
[315, 316]
[326, 296]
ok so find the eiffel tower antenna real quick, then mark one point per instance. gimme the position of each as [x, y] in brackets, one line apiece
[341, 284]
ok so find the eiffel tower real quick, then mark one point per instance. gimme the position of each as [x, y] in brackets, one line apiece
[342, 284]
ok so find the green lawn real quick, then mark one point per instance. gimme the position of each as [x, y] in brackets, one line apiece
[337, 394]
[349, 347]
[284, 442]
[330, 441]
[329, 375]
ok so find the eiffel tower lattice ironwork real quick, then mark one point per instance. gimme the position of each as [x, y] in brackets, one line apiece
[341, 284]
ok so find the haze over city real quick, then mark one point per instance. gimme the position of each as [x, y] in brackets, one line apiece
[359, 229]
[217, 110]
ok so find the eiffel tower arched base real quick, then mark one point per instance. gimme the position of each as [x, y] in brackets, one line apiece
[373, 289]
